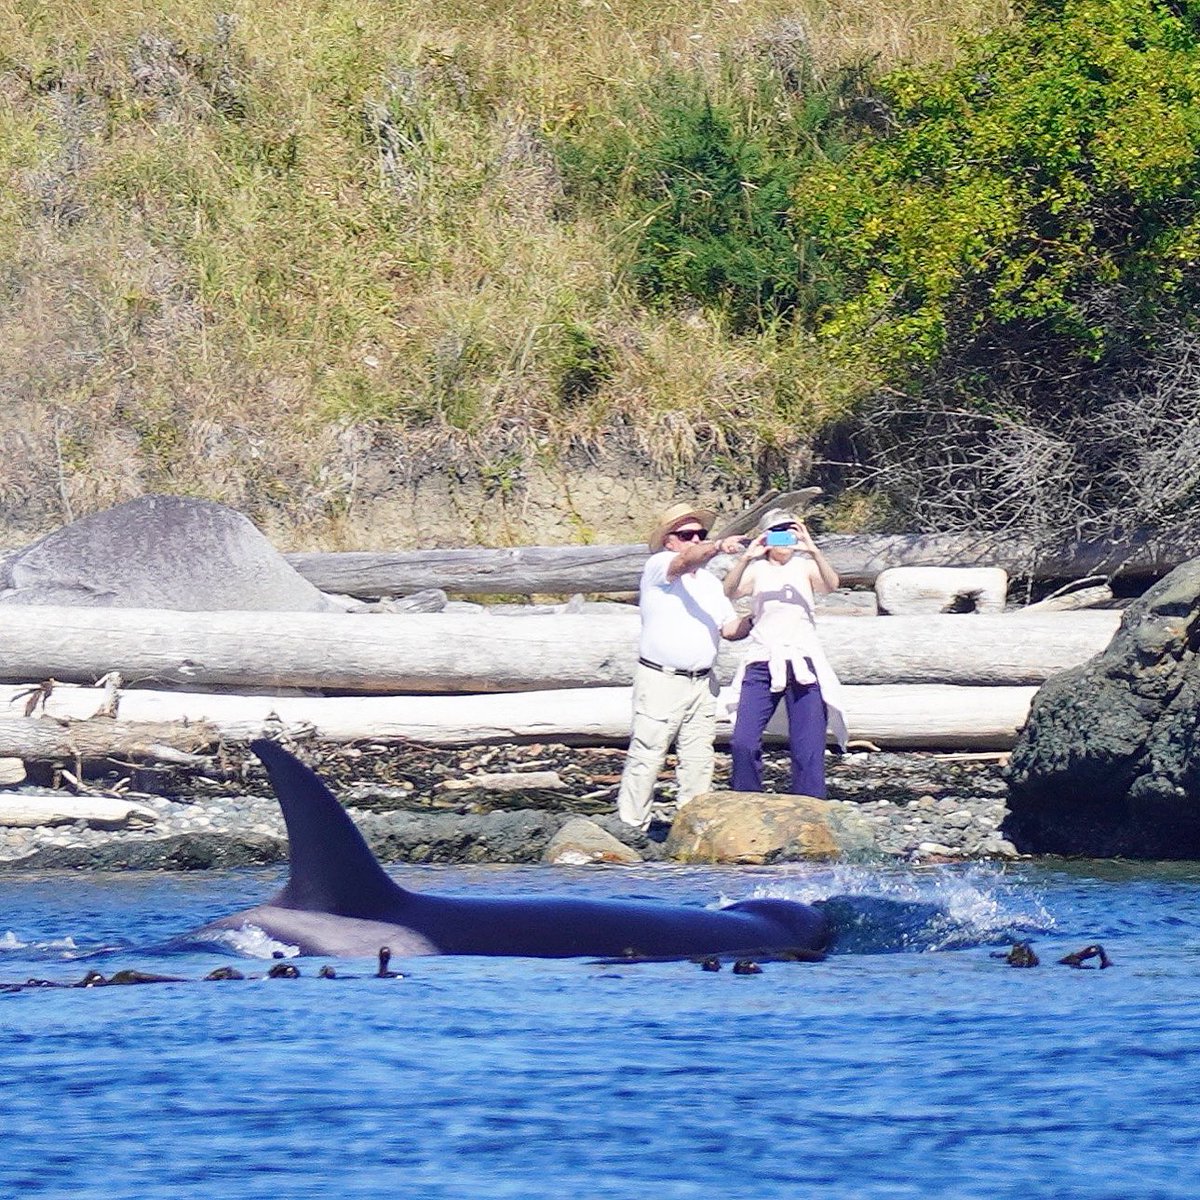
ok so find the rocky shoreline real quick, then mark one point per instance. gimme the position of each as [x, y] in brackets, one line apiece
[504, 804]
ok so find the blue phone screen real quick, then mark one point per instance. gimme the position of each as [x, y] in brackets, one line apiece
[781, 537]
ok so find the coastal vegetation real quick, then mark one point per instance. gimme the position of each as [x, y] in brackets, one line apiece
[939, 256]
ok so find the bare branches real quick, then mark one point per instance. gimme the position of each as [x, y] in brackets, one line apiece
[1090, 457]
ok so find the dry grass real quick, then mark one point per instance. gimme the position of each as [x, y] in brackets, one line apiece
[249, 246]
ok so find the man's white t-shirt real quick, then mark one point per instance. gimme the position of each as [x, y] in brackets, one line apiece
[681, 618]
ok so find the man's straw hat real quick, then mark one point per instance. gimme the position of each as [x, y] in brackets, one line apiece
[676, 515]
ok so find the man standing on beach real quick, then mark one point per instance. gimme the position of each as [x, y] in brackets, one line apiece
[685, 613]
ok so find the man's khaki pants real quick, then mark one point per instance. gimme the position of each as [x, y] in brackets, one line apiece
[668, 708]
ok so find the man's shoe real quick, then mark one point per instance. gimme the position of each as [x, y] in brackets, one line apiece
[657, 830]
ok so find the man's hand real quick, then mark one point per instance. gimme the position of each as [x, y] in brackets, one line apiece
[738, 628]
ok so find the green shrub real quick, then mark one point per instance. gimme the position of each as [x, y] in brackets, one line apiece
[1040, 196]
[715, 209]
[703, 186]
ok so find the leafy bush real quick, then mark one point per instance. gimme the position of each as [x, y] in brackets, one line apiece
[1041, 196]
[1017, 253]
[704, 188]
[715, 214]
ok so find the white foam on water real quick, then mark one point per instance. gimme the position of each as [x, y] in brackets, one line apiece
[931, 908]
[67, 943]
[65, 947]
[252, 942]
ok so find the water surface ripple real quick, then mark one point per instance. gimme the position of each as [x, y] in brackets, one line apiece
[930, 1070]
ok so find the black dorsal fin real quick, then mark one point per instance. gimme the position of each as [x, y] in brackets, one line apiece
[333, 869]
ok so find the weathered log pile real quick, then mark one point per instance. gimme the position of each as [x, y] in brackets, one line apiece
[161, 636]
[451, 678]
[110, 599]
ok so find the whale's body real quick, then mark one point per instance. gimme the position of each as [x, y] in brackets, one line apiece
[339, 902]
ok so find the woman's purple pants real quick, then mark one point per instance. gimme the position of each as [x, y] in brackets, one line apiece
[806, 731]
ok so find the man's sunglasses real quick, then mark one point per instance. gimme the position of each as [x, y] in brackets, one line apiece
[690, 535]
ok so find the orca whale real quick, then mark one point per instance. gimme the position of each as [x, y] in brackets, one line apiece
[338, 901]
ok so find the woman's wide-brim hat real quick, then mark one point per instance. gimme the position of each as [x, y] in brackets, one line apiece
[676, 515]
[777, 518]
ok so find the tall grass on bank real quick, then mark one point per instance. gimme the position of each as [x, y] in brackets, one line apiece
[248, 250]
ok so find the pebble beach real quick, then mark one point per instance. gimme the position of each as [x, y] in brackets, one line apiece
[504, 804]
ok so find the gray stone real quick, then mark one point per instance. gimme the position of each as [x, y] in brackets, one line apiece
[1109, 761]
[183, 852]
[516, 837]
[995, 846]
[170, 552]
[937, 850]
[581, 841]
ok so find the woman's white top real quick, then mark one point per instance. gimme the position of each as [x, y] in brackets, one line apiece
[785, 632]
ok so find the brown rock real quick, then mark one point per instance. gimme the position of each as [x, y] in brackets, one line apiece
[755, 827]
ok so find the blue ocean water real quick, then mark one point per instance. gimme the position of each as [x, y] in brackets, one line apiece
[913, 1063]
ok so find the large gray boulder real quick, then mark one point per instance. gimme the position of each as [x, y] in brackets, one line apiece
[1108, 763]
[160, 552]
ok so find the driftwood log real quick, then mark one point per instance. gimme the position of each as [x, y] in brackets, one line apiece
[481, 652]
[916, 590]
[42, 737]
[857, 558]
[520, 571]
[100, 812]
[1084, 593]
[908, 717]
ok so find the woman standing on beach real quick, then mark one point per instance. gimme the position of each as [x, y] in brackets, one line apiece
[782, 571]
